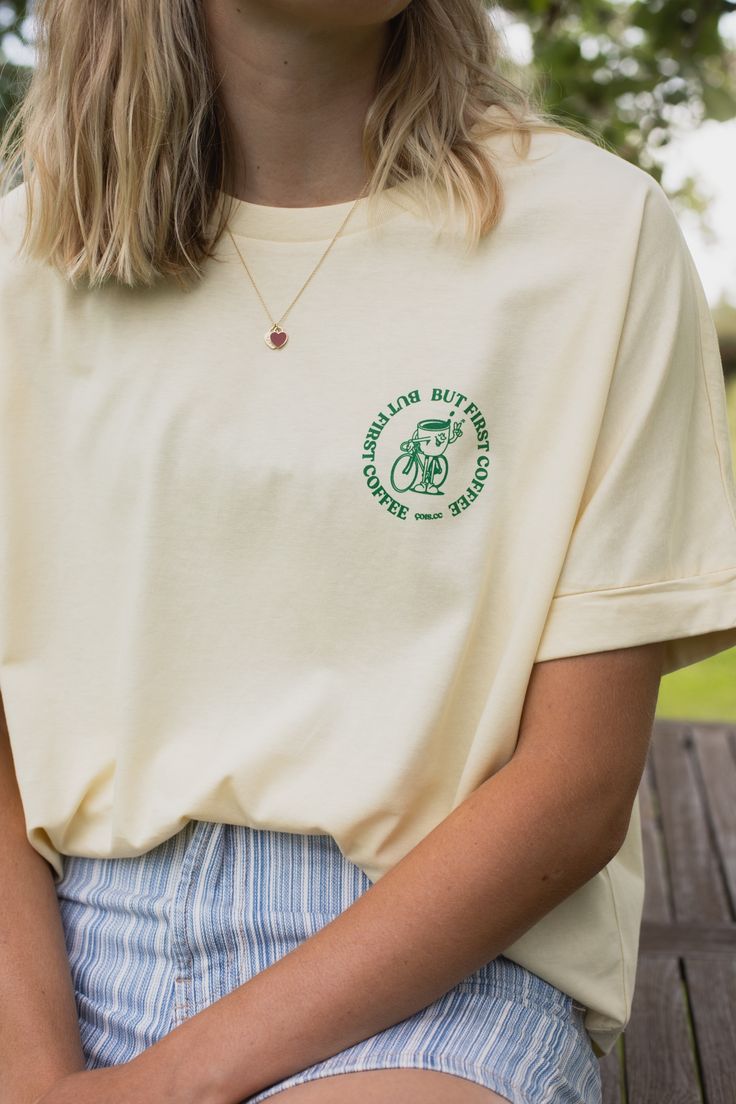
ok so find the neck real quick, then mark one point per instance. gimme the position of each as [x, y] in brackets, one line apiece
[296, 95]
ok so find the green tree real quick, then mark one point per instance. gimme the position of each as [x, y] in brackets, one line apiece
[13, 24]
[633, 72]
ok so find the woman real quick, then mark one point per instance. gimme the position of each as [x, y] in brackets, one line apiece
[316, 787]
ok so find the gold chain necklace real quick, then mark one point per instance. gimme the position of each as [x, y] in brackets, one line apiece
[276, 338]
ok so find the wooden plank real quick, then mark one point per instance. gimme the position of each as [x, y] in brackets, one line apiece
[612, 1074]
[710, 939]
[678, 1046]
[717, 765]
[731, 736]
[711, 985]
[657, 905]
[698, 891]
[660, 1060]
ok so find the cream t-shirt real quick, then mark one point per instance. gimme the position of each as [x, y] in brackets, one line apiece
[304, 589]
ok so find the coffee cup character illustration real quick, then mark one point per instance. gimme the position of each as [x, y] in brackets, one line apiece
[422, 465]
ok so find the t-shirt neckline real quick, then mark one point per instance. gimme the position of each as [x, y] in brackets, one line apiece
[291, 224]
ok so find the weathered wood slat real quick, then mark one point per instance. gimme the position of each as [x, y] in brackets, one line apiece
[680, 1043]
[710, 939]
[660, 1064]
[711, 984]
[679, 1046]
[657, 905]
[698, 891]
[611, 1075]
[718, 768]
[731, 737]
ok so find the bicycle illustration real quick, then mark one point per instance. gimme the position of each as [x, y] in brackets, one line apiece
[422, 465]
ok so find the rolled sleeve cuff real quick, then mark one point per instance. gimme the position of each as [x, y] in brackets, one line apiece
[696, 616]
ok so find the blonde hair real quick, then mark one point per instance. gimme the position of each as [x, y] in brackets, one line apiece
[121, 132]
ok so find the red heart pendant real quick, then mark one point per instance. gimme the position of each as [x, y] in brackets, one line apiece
[276, 338]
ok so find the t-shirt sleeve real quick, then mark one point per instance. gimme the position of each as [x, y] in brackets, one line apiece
[652, 553]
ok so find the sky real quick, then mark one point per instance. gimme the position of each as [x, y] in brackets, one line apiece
[709, 153]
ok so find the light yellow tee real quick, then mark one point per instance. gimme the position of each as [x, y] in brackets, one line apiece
[304, 589]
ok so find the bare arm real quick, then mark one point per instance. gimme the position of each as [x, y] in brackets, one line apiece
[39, 1030]
[527, 838]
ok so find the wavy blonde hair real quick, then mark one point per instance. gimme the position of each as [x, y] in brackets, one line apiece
[121, 131]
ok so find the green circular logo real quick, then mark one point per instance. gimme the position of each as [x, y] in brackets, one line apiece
[426, 456]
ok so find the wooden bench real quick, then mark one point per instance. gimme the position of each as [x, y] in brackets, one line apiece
[680, 1044]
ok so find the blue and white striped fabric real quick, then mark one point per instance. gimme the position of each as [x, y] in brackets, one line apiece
[156, 938]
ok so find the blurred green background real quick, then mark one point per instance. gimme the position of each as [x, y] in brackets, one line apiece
[646, 77]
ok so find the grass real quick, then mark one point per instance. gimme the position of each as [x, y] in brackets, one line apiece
[706, 690]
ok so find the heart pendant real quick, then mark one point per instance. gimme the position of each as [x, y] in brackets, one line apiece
[276, 338]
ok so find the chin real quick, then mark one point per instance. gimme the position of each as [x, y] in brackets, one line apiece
[338, 13]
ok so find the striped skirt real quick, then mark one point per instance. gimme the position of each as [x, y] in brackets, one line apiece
[156, 938]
